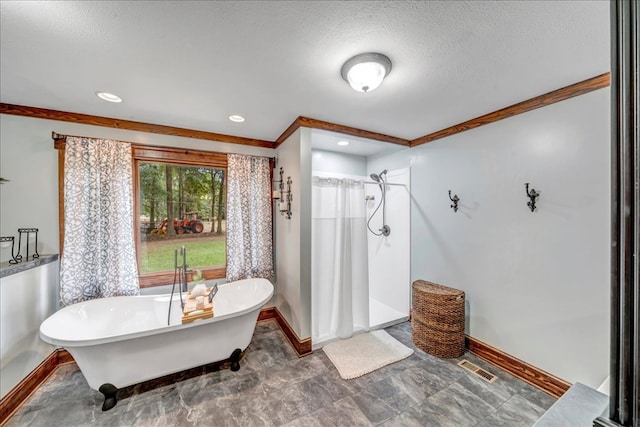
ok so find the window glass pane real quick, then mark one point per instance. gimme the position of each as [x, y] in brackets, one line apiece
[181, 206]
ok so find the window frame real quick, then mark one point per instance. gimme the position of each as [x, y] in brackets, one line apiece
[175, 157]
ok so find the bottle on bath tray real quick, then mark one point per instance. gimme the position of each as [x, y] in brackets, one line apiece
[199, 303]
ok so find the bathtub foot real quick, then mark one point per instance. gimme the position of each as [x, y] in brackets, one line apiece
[110, 399]
[235, 359]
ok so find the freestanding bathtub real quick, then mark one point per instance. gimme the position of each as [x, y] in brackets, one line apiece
[121, 341]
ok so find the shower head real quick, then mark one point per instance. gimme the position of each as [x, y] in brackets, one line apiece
[377, 177]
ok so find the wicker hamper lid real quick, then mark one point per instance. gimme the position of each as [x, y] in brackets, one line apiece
[435, 289]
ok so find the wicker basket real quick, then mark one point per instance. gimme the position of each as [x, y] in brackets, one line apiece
[437, 319]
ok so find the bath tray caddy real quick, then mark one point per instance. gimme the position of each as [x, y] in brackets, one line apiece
[191, 313]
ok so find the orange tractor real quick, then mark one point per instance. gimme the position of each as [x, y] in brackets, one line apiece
[189, 224]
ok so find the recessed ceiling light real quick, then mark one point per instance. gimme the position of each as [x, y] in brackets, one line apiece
[108, 97]
[236, 118]
[343, 142]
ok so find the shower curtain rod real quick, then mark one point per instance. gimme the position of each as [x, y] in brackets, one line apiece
[386, 183]
[327, 178]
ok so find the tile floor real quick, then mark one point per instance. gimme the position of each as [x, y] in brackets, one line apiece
[274, 387]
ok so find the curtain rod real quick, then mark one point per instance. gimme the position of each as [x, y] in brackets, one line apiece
[58, 136]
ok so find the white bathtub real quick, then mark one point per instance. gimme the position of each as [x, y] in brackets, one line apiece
[122, 341]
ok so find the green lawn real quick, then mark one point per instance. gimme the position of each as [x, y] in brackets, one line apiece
[158, 255]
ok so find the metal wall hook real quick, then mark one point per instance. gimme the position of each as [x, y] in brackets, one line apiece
[455, 201]
[533, 195]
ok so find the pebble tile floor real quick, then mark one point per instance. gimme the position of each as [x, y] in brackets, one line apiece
[276, 388]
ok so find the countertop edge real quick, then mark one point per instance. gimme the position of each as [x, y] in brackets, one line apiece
[7, 269]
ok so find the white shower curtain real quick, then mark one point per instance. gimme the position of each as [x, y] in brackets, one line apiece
[340, 285]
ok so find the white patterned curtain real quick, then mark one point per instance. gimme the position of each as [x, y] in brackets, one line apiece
[99, 258]
[249, 222]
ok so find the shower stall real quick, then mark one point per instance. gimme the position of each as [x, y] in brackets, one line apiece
[360, 249]
[389, 255]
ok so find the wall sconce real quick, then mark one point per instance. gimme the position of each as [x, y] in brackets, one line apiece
[533, 195]
[455, 201]
[285, 202]
[284, 196]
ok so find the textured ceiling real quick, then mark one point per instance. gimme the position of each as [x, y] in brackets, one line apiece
[192, 64]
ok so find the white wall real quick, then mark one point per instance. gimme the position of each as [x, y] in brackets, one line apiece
[338, 163]
[537, 284]
[30, 199]
[293, 236]
[26, 299]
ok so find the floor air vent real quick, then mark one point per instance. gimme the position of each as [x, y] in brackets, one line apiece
[478, 371]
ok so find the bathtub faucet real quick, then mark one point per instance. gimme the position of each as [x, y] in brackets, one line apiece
[184, 287]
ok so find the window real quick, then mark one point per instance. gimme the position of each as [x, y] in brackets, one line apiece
[180, 200]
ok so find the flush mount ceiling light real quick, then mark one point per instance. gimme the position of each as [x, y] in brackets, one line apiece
[366, 71]
[343, 143]
[236, 118]
[106, 96]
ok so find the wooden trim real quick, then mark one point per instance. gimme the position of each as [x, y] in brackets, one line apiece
[60, 201]
[333, 127]
[302, 347]
[86, 119]
[178, 156]
[64, 358]
[159, 154]
[267, 313]
[149, 280]
[14, 399]
[538, 378]
[576, 89]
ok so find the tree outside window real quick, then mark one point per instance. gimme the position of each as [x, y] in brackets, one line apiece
[178, 206]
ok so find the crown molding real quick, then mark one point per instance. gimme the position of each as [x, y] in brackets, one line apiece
[576, 89]
[86, 119]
